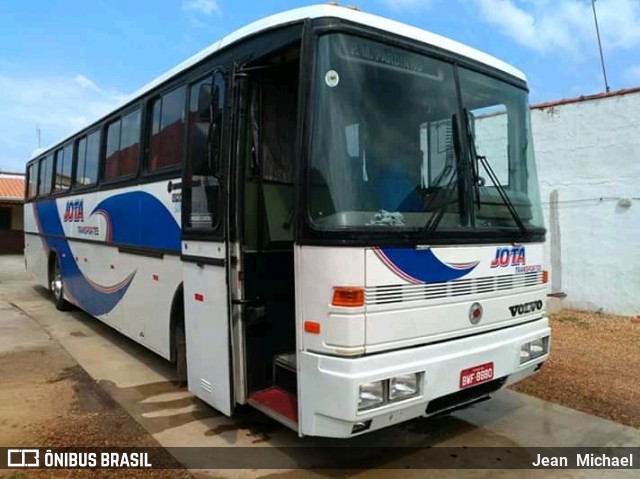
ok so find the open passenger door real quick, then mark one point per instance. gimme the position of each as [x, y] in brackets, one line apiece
[205, 245]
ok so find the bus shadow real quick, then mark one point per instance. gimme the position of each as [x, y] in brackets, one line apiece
[446, 442]
[116, 338]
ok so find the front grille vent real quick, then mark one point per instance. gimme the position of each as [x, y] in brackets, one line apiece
[398, 293]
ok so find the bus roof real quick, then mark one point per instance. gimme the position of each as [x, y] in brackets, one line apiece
[317, 11]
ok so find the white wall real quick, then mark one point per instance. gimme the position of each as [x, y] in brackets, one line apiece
[492, 142]
[588, 156]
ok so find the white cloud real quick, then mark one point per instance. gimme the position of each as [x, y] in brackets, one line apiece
[206, 7]
[564, 25]
[58, 105]
[84, 82]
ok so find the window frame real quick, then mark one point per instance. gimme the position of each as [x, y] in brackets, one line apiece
[41, 161]
[148, 129]
[62, 148]
[76, 141]
[104, 127]
[30, 167]
[217, 229]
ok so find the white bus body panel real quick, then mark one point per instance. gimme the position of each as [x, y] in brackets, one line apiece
[415, 318]
[120, 256]
[206, 302]
[414, 295]
[117, 249]
[328, 385]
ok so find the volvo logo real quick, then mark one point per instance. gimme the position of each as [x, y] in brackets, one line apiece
[518, 309]
[475, 313]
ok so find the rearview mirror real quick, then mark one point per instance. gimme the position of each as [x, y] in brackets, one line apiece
[204, 102]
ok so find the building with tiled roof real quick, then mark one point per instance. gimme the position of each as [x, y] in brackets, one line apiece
[11, 213]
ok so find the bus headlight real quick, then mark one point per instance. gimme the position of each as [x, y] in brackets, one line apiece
[534, 349]
[371, 395]
[377, 393]
[404, 386]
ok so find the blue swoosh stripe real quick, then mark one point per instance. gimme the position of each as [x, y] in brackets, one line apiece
[138, 218]
[422, 265]
[92, 297]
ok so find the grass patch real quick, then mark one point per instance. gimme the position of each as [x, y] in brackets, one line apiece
[579, 322]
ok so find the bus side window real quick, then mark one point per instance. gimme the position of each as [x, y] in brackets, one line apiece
[206, 108]
[62, 178]
[123, 146]
[166, 132]
[45, 178]
[32, 181]
[88, 157]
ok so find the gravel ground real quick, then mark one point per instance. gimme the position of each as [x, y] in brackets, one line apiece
[47, 400]
[594, 366]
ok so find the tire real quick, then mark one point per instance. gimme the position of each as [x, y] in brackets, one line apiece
[57, 287]
[180, 350]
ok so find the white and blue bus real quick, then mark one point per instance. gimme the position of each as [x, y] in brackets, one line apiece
[328, 215]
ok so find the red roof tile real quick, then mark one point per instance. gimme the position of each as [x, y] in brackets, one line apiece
[11, 188]
[597, 96]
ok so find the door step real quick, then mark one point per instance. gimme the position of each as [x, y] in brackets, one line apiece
[277, 404]
[285, 374]
[287, 361]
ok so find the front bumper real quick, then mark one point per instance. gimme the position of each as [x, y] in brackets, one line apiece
[328, 391]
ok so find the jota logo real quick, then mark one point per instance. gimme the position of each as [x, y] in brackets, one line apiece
[509, 257]
[74, 211]
[525, 308]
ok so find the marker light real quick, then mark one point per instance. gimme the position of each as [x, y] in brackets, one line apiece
[545, 276]
[312, 327]
[348, 297]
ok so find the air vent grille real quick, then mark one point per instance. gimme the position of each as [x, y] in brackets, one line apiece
[398, 293]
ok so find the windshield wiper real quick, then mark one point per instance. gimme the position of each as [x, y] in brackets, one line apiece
[477, 180]
[435, 218]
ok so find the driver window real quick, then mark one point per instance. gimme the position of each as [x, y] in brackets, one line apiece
[204, 172]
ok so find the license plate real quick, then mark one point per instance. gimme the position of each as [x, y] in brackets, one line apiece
[476, 375]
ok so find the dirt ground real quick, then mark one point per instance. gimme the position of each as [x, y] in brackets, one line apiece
[47, 399]
[594, 366]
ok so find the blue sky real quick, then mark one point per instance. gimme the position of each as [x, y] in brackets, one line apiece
[65, 62]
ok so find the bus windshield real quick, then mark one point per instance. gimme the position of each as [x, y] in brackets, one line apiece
[403, 140]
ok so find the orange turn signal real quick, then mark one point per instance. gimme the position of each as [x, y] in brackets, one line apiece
[545, 276]
[348, 297]
[312, 327]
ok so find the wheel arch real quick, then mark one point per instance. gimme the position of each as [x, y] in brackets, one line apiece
[176, 317]
[51, 259]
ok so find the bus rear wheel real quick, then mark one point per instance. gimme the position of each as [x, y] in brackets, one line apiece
[57, 287]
